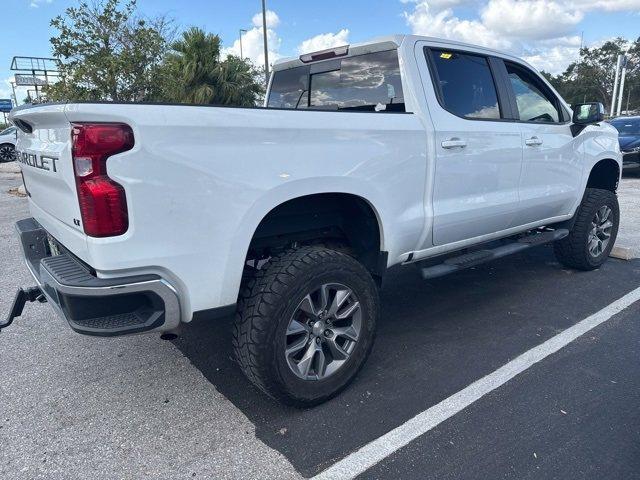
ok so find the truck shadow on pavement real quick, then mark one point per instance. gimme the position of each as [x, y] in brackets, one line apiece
[434, 338]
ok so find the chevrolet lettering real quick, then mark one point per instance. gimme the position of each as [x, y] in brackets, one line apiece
[43, 162]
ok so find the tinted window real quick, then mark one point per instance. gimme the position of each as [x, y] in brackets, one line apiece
[368, 82]
[466, 84]
[627, 127]
[290, 88]
[7, 131]
[535, 102]
[326, 88]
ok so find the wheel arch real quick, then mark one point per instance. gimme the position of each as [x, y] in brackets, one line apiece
[605, 175]
[326, 217]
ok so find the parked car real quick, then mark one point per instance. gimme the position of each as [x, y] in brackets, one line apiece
[629, 138]
[8, 144]
[405, 150]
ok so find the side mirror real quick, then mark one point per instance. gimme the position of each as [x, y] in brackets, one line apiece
[588, 113]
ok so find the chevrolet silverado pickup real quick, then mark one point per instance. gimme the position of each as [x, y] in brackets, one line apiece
[403, 150]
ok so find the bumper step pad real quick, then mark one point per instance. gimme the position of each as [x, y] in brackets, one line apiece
[93, 305]
[99, 306]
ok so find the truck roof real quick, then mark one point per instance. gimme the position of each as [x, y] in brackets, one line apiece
[377, 44]
[389, 42]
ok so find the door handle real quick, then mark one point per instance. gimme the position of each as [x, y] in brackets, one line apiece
[533, 142]
[453, 143]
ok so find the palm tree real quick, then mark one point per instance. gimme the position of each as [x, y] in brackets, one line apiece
[194, 73]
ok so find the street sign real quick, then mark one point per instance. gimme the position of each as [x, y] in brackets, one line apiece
[5, 105]
[29, 81]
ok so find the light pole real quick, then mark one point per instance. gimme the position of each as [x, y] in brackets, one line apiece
[266, 48]
[623, 74]
[242, 30]
[615, 87]
[15, 98]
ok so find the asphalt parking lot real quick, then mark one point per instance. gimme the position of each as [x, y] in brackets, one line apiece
[139, 407]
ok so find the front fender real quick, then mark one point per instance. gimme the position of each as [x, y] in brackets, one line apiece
[598, 142]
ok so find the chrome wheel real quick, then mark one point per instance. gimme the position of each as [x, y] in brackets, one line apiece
[323, 332]
[600, 233]
[7, 153]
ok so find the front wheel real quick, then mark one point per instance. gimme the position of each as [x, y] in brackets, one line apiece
[306, 324]
[594, 232]
[7, 153]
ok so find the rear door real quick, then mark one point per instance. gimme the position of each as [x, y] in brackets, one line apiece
[552, 158]
[478, 149]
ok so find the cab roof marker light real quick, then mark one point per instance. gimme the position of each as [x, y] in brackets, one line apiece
[325, 54]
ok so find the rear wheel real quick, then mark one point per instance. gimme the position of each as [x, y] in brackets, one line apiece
[7, 153]
[594, 233]
[306, 324]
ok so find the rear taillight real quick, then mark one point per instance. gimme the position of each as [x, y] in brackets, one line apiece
[103, 204]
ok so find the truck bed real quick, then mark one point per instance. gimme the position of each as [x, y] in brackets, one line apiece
[199, 178]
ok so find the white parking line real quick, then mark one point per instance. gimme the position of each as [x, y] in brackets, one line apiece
[379, 449]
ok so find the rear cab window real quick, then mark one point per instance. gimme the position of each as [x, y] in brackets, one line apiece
[367, 83]
[464, 84]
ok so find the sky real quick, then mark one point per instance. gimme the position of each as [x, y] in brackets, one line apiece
[547, 33]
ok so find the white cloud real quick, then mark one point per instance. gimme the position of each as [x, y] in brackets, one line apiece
[437, 5]
[272, 19]
[609, 5]
[37, 3]
[427, 21]
[530, 19]
[253, 41]
[541, 31]
[553, 59]
[324, 41]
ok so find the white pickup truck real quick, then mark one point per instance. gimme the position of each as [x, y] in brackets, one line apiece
[403, 150]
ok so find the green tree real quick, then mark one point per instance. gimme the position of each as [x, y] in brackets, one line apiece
[108, 52]
[591, 78]
[194, 73]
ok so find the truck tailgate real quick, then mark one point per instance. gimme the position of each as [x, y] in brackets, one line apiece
[45, 158]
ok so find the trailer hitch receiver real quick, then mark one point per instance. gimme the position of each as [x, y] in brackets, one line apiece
[31, 294]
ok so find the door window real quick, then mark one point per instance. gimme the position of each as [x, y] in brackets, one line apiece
[535, 102]
[465, 84]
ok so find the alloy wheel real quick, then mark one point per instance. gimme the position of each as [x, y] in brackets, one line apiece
[7, 153]
[600, 233]
[323, 332]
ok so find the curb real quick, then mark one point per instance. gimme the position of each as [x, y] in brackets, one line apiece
[622, 253]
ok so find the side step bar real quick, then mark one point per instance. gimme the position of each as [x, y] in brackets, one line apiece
[468, 260]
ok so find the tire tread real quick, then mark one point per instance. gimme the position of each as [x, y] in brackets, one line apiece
[571, 250]
[260, 297]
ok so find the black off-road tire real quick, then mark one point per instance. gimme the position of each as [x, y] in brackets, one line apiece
[572, 251]
[268, 300]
